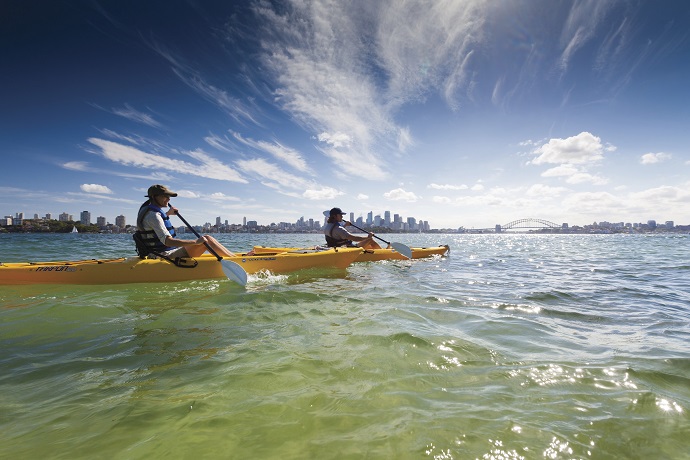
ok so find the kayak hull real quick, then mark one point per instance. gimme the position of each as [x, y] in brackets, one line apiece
[136, 270]
[371, 255]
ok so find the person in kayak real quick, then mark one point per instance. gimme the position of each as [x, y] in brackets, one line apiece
[338, 236]
[158, 233]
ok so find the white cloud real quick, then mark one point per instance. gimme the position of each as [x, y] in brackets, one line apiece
[362, 197]
[206, 165]
[188, 194]
[441, 199]
[337, 140]
[663, 195]
[652, 158]
[545, 191]
[76, 166]
[95, 188]
[399, 194]
[585, 148]
[582, 177]
[559, 171]
[324, 193]
[447, 187]
[220, 196]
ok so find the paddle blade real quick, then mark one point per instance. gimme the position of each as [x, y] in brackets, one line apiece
[402, 249]
[234, 272]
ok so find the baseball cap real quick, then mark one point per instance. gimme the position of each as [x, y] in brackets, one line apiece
[160, 190]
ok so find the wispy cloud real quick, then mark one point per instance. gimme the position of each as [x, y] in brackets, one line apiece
[447, 187]
[84, 166]
[242, 111]
[205, 165]
[275, 177]
[132, 114]
[342, 72]
[280, 152]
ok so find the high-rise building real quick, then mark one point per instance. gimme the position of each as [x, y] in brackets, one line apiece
[100, 221]
[85, 218]
[64, 217]
[120, 221]
[387, 218]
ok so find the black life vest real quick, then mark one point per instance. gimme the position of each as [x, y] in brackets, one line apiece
[332, 241]
[148, 238]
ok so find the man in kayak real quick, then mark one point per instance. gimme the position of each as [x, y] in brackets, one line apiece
[158, 233]
[337, 235]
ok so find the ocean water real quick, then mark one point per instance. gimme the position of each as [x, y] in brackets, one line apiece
[515, 346]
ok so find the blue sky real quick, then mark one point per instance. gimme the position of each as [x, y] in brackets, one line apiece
[461, 113]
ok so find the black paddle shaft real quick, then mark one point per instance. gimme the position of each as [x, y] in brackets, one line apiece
[199, 236]
[388, 243]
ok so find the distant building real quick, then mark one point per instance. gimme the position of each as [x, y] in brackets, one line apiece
[85, 218]
[120, 221]
[100, 221]
[64, 217]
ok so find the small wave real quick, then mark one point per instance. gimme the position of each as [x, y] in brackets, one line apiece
[409, 339]
[550, 296]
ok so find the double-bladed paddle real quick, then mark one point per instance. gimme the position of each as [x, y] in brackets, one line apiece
[232, 270]
[401, 248]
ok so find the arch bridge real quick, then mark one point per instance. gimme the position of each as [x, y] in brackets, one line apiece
[528, 222]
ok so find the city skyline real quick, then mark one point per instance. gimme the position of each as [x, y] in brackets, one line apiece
[454, 112]
[355, 218]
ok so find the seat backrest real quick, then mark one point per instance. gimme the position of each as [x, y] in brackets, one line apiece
[142, 249]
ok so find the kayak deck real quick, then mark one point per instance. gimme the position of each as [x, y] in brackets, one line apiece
[367, 255]
[137, 270]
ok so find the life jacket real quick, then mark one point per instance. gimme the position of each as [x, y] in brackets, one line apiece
[332, 241]
[148, 238]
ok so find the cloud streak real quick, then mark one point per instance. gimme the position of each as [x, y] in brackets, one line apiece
[205, 166]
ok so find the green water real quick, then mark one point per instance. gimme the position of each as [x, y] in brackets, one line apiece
[515, 346]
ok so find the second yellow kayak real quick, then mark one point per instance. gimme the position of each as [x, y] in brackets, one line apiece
[367, 255]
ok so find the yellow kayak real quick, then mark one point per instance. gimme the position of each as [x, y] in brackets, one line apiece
[367, 255]
[137, 270]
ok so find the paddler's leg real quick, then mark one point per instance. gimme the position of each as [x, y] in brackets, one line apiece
[198, 249]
